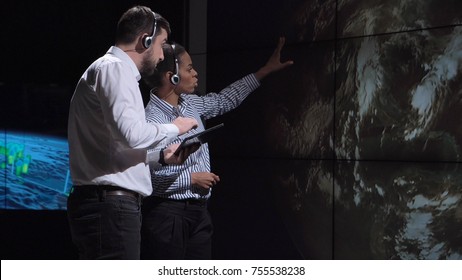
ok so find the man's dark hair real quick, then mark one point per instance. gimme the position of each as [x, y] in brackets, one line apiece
[138, 20]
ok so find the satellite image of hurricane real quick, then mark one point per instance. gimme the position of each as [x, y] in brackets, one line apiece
[370, 115]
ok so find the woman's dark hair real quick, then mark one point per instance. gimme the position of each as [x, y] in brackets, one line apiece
[138, 20]
[167, 64]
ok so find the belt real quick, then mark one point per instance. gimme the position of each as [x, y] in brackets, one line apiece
[104, 190]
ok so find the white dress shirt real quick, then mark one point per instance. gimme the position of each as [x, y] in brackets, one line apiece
[107, 129]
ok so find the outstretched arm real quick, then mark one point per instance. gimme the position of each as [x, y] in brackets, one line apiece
[274, 62]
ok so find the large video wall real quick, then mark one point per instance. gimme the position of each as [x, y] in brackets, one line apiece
[360, 141]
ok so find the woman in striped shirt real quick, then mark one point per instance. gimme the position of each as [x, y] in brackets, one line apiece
[176, 223]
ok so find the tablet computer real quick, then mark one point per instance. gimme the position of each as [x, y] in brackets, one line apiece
[199, 138]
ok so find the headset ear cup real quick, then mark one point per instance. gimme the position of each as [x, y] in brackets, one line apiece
[147, 41]
[175, 79]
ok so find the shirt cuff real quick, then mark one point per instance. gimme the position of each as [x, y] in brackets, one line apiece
[152, 158]
[172, 132]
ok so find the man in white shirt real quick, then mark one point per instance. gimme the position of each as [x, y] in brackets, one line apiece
[109, 140]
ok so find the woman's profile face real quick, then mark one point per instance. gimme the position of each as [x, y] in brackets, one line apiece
[188, 75]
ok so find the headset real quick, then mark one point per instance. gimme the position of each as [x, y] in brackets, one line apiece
[175, 78]
[147, 40]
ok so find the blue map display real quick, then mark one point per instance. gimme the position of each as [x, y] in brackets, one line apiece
[34, 171]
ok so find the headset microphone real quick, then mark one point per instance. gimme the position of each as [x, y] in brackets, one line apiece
[175, 78]
[148, 40]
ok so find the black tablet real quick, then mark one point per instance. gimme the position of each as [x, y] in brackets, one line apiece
[199, 138]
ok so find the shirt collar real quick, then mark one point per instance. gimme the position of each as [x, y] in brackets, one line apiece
[117, 52]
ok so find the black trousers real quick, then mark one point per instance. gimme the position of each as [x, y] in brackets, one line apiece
[176, 230]
[105, 222]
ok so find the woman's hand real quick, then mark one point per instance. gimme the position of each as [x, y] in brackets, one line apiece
[274, 62]
[204, 179]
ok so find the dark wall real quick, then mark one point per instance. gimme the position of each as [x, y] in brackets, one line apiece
[53, 42]
[36, 235]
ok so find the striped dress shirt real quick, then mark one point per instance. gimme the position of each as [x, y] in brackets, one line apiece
[174, 181]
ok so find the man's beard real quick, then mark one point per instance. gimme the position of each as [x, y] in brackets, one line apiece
[148, 65]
